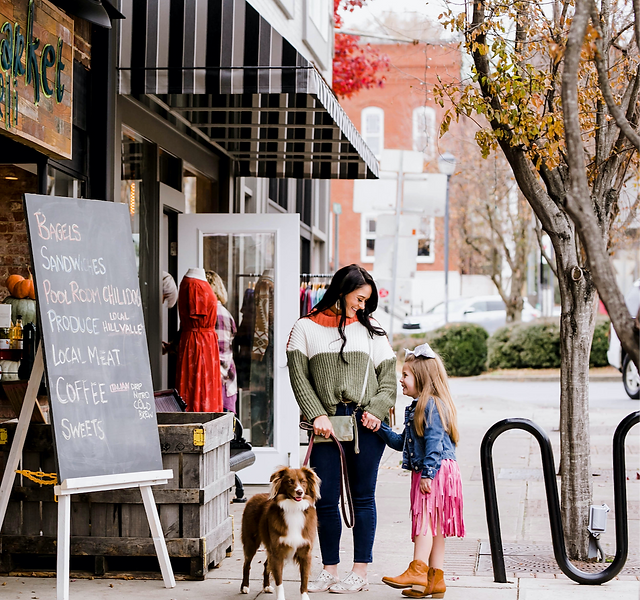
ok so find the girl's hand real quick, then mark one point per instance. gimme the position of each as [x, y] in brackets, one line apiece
[322, 426]
[370, 422]
[425, 485]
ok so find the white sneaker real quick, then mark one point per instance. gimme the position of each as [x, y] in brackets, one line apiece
[351, 584]
[322, 582]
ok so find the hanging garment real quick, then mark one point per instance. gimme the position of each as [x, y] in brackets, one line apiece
[263, 296]
[226, 330]
[198, 378]
[243, 342]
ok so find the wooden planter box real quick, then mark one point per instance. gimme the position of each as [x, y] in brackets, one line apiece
[109, 530]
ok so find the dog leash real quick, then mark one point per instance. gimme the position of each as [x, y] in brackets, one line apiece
[345, 490]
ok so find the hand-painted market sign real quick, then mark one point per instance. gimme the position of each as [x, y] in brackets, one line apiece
[36, 75]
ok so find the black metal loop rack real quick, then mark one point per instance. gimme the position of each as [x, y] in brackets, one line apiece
[553, 503]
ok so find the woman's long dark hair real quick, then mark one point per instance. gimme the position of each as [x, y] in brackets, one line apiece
[345, 281]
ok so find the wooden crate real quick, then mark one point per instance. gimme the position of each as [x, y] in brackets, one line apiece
[106, 527]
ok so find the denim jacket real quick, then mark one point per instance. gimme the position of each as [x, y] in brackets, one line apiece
[424, 453]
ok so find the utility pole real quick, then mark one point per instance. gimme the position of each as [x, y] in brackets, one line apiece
[396, 249]
[337, 211]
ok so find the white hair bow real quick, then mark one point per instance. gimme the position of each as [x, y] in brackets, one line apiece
[423, 350]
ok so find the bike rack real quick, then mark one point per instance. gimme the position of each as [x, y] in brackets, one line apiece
[553, 503]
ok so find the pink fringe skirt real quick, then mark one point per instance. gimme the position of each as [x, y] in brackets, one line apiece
[442, 508]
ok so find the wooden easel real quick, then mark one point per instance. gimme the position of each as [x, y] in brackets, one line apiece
[82, 485]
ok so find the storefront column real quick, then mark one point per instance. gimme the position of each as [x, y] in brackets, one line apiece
[102, 116]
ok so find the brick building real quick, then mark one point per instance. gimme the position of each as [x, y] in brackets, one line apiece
[403, 115]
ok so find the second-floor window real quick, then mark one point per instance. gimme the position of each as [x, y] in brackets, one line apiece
[373, 128]
[424, 130]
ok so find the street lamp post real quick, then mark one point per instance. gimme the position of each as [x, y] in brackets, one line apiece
[446, 166]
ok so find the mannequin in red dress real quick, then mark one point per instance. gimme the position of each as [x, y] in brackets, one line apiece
[198, 375]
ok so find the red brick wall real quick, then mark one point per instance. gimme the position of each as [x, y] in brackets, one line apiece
[403, 92]
[14, 249]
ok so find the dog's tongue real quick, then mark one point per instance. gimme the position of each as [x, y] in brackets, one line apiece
[298, 498]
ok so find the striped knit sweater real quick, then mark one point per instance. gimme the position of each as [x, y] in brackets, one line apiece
[321, 379]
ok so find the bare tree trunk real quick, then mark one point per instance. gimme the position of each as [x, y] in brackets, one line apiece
[577, 323]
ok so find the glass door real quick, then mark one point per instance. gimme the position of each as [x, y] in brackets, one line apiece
[257, 258]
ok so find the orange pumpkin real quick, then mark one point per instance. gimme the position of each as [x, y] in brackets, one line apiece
[12, 280]
[24, 289]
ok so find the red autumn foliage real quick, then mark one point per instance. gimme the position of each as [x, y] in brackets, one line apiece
[355, 67]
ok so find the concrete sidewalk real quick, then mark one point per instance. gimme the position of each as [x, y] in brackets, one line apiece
[458, 588]
[531, 570]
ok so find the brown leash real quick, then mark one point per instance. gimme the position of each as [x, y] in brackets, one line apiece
[345, 490]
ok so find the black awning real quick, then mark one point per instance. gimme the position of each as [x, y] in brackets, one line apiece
[223, 69]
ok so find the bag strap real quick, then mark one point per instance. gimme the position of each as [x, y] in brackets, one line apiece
[346, 501]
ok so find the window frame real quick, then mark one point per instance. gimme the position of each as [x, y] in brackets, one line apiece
[428, 148]
[370, 110]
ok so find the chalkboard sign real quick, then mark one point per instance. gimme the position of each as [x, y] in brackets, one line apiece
[94, 338]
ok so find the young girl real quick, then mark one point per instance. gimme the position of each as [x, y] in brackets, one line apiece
[428, 451]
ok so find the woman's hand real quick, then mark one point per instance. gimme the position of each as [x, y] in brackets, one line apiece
[425, 485]
[370, 421]
[322, 426]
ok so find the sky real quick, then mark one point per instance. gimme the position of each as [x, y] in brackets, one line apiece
[366, 17]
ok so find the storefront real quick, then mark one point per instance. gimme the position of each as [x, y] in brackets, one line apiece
[53, 131]
[215, 106]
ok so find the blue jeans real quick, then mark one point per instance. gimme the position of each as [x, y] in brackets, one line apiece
[363, 474]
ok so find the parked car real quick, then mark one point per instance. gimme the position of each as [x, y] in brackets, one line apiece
[488, 311]
[616, 354]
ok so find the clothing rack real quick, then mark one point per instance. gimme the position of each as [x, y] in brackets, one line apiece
[305, 277]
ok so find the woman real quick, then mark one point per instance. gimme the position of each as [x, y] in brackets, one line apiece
[328, 353]
[226, 330]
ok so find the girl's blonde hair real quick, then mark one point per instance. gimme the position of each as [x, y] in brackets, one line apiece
[217, 285]
[431, 382]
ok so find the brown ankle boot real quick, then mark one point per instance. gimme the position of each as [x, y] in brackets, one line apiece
[416, 574]
[434, 588]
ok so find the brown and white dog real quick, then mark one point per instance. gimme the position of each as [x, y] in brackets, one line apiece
[285, 522]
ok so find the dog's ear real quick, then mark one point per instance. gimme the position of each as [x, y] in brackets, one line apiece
[276, 479]
[313, 483]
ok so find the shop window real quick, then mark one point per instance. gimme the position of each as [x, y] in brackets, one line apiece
[199, 192]
[60, 183]
[373, 129]
[305, 255]
[169, 170]
[137, 153]
[278, 189]
[304, 196]
[424, 130]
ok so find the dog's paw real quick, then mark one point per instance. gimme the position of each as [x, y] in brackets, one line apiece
[280, 592]
[304, 596]
[244, 589]
[268, 590]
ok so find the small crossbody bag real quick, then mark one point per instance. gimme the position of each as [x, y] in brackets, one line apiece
[345, 427]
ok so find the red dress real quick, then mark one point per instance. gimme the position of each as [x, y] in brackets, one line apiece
[198, 378]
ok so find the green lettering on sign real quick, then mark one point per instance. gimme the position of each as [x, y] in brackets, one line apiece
[13, 47]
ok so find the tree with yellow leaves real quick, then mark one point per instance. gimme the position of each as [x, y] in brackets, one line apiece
[558, 85]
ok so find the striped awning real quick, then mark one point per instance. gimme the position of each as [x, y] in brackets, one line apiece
[222, 69]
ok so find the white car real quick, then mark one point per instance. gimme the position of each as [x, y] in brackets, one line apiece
[488, 311]
[618, 358]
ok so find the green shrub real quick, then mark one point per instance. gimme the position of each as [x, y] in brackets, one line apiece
[536, 345]
[600, 344]
[462, 346]
[501, 355]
